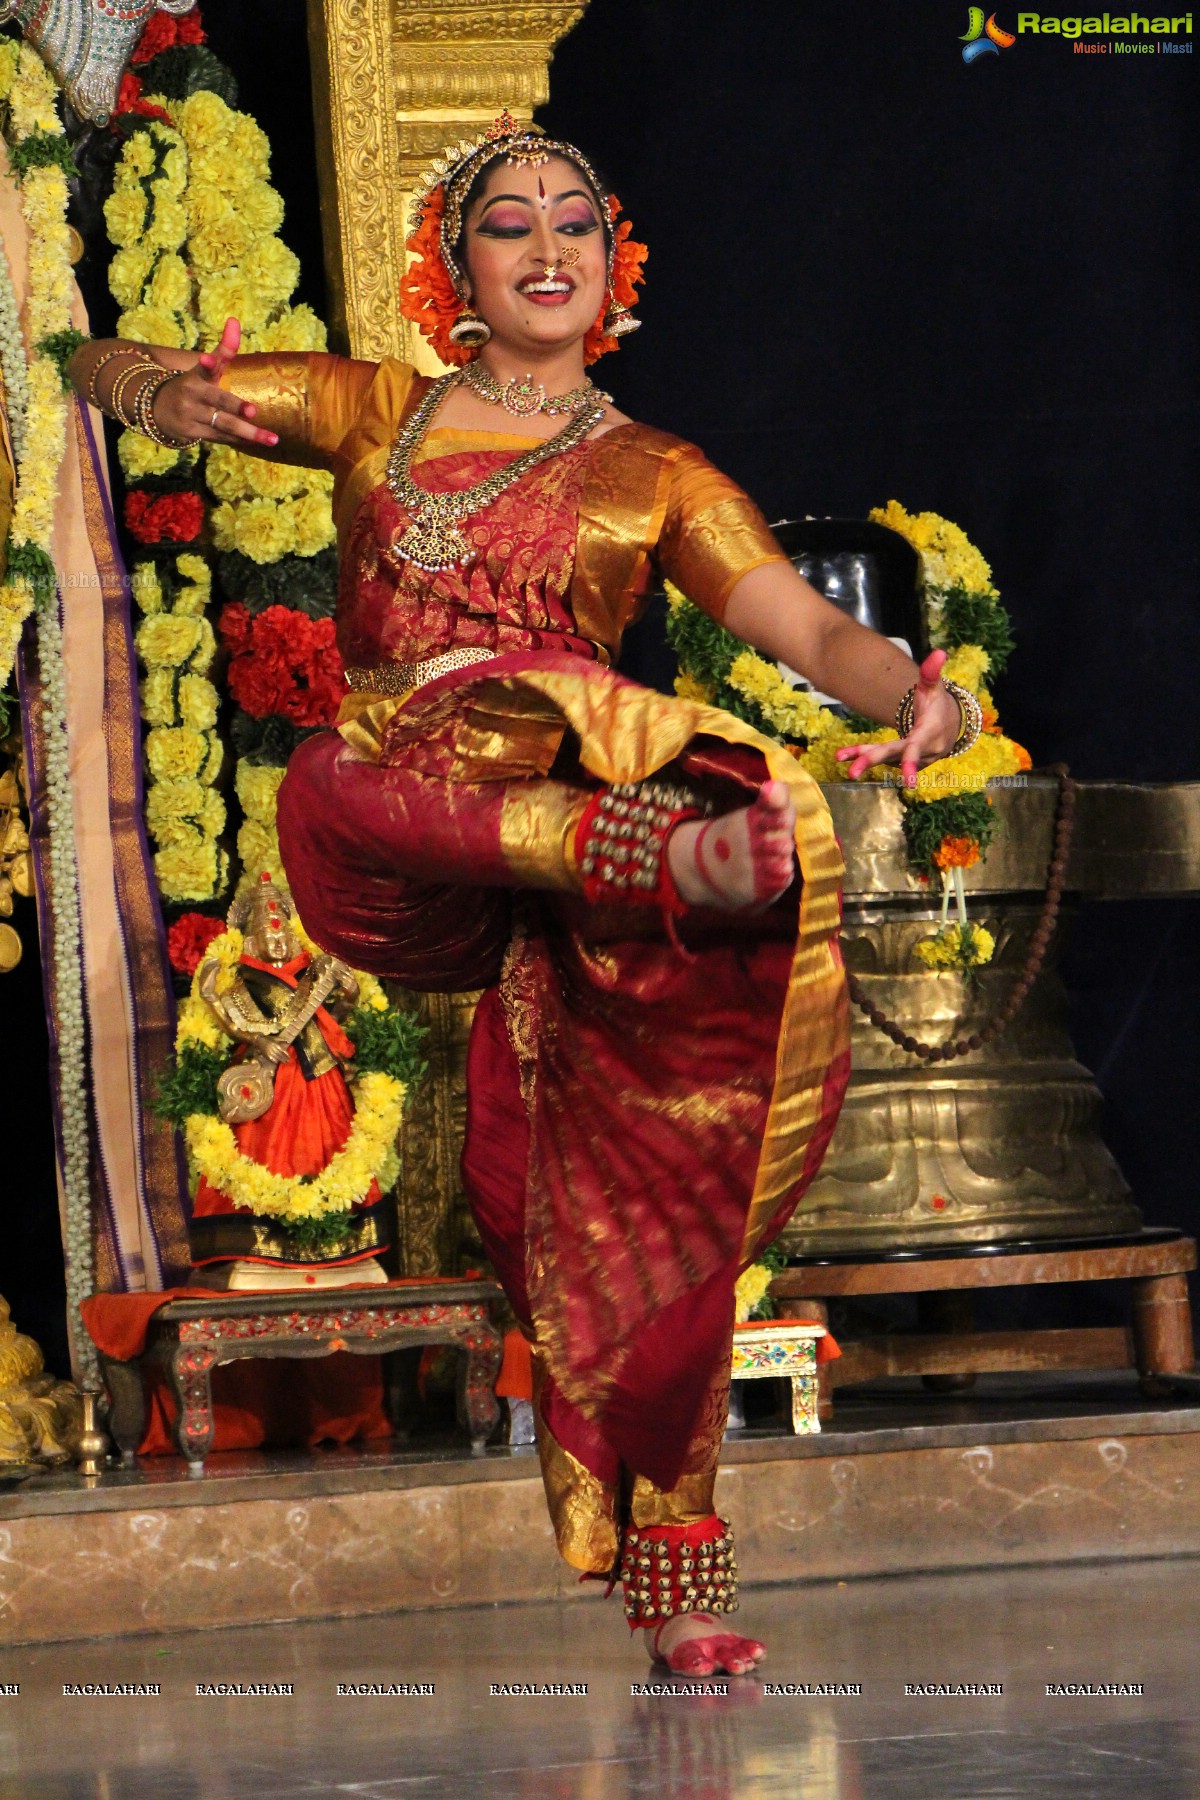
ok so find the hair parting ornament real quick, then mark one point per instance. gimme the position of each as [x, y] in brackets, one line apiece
[432, 292]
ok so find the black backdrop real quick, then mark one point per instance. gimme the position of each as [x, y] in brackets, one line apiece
[878, 272]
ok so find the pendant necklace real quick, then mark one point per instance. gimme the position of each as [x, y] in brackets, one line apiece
[434, 540]
[523, 396]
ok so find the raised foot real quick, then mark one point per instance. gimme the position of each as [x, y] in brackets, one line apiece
[743, 860]
[699, 1644]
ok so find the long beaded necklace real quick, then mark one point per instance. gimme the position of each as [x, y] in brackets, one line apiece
[523, 396]
[434, 540]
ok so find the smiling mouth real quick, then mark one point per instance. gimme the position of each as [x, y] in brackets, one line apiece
[555, 288]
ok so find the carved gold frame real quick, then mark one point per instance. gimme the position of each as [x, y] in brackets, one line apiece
[394, 82]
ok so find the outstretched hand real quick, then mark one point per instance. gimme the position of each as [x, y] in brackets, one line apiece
[194, 407]
[936, 725]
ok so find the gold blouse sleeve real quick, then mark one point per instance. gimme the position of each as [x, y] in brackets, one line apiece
[310, 398]
[712, 533]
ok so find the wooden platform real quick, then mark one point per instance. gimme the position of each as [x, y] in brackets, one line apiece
[1157, 1339]
[1032, 1468]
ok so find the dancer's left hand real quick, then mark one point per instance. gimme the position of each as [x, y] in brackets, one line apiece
[936, 725]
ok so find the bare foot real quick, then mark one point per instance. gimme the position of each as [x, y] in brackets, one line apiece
[745, 859]
[699, 1644]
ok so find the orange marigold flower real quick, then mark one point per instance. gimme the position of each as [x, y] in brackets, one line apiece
[1024, 760]
[627, 276]
[957, 853]
[427, 295]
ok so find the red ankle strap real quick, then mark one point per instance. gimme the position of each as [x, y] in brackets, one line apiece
[670, 1569]
[621, 842]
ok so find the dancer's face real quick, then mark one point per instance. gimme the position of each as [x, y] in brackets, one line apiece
[522, 222]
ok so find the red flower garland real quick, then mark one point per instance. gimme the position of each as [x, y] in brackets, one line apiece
[282, 662]
[430, 300]
[161, 518]
[163, 33]
[129, 98]
[188, 939]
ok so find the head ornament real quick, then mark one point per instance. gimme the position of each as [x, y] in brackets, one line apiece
[432, 293]
[262, 913]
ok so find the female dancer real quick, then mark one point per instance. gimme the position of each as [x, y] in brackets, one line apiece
[662, 1045]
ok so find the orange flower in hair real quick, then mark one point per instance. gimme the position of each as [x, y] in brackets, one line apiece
[627, 277]
[428, 296]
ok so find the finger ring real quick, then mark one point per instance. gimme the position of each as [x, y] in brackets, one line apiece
[213, 420]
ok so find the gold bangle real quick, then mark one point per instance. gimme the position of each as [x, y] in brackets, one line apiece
[969, 711]
[971, 714]
[117, 397]
[90, 393]
[141, 365]
[143, 412]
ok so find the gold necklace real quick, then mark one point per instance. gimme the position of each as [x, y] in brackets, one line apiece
[524, 396]
[433, 539]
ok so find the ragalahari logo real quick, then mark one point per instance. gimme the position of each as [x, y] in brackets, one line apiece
[984, 37]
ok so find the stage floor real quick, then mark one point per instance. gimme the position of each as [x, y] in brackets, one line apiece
[1041, 1469]
[1117, 1623]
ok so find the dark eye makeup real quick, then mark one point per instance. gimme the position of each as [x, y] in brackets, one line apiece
[516, 224]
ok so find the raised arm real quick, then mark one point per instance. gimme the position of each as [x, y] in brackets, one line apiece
[720, 550]
[173, 396]
[290, 406]
[778, 612]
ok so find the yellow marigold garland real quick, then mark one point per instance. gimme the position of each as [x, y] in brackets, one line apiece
[185, 815]
[257, 788]
[343, 1182]
[264, 510]
[151, 280]
[713, 668]
[948, 557]
[750, 1290]
[194, 219]
[29, 93]
[963, 946]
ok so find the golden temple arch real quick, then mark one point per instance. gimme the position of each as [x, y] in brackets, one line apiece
[394, 81]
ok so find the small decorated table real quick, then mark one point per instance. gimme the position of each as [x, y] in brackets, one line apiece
[786, 1347]
[190, 1336]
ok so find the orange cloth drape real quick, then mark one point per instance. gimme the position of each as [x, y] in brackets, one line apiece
[515, 1380]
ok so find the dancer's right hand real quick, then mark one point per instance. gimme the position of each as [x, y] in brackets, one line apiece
[193, 406]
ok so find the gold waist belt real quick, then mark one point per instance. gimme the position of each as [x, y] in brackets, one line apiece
[403, 677]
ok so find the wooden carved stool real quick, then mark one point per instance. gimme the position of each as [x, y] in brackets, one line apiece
[192, 1336]
[948, 1353]
[774, 1348]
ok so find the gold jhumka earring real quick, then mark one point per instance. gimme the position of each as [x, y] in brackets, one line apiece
[619, 321]
[469, 330]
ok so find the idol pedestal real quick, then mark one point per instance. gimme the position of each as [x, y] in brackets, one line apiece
[1003, 1144]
